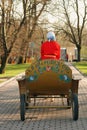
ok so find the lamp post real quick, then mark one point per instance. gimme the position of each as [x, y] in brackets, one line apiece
[31, 45]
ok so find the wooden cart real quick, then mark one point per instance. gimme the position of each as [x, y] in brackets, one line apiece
[48, 77]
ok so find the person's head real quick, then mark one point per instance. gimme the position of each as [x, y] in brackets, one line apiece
[51, 36]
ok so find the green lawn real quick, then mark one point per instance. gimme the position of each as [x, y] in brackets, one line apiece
[14, 69]
[82, 66]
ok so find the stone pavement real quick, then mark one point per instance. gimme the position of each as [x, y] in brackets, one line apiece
[40, 119]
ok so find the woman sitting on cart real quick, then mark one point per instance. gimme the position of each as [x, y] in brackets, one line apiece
[50, 49]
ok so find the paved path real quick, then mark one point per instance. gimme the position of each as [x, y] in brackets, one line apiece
[40, 119]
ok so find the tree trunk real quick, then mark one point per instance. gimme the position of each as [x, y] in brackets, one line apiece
[79, 54]
[3, 63]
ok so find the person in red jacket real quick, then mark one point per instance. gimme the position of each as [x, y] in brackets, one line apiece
[50, 49]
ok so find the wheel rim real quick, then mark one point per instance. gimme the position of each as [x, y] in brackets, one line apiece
[22, 107]
[75, 107]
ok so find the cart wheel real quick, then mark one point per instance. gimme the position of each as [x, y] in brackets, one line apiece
[22, 107]
[27, 103]
[68, 103]
[75, 107]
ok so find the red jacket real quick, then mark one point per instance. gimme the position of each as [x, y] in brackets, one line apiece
[50, 50]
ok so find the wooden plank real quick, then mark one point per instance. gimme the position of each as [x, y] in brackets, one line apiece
[76, 74]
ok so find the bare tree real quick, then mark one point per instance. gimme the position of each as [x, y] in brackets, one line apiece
[11, 24]
[71, 17]
[75, 33]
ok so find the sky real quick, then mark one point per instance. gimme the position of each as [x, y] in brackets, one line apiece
[53, 19]
[72, 14]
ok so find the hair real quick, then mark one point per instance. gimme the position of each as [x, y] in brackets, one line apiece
[51, 36]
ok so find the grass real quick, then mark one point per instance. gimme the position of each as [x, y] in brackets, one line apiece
[13, 70]
[82, 66]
